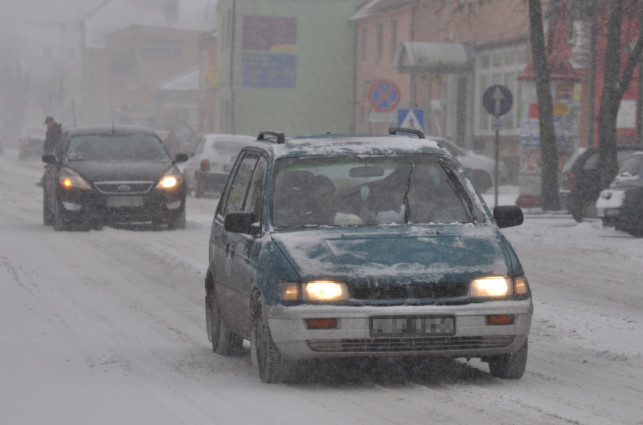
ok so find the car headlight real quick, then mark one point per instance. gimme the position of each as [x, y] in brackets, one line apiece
[498, 287]
[315, 291]
[170, 181]
[69, 179]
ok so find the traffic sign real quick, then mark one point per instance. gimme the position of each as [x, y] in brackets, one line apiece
[384, 95]
[411, 118]
[497, 100]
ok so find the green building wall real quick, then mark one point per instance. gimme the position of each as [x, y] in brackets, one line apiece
[286, 65]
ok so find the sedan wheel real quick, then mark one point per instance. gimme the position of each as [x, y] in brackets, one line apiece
[509, 366]
[224, 341]
[47, 215]
[59, 223]
[263, 351]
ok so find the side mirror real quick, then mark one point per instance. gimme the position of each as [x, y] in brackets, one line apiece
[508, 216]
[49, 158]
[181, 157]
[239, 222]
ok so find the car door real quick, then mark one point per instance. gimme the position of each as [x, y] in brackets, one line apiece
[230, 250]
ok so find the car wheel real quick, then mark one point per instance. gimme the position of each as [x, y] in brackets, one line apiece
[509, 366]
[59, 222]
[47, 215]
[224, 341]
[178, 222]
[481, 180]
[263, 351]
[577, 209]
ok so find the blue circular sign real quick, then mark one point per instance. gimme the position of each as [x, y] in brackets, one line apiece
[497, 100]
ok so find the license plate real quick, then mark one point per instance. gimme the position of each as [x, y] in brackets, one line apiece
[405, 326]
[124, 201]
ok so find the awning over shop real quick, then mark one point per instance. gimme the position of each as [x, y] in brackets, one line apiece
[431, 57]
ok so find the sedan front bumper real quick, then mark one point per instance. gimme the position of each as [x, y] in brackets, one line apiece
[472, 336]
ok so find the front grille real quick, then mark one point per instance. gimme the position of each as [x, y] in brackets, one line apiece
[124, 187]
[425, 344]
[426, 290]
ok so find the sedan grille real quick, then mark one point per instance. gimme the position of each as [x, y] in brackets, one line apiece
[428, 290]
[124, 187]
[423, 345]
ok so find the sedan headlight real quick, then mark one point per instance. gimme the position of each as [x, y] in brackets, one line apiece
[315, 291]
[498, 287]
[69, 179]
[170, 180]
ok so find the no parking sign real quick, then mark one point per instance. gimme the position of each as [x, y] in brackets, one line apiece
[384, 95]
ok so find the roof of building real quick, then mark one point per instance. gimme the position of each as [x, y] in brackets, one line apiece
[373, 7]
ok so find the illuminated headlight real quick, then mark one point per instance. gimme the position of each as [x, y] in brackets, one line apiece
[69, 179]
[169, 181]
[316, 291]
[498, 287]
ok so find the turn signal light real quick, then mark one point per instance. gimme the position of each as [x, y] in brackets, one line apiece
[321, 323]
[500, 319]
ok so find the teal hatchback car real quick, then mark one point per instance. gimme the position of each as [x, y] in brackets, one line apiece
[362, 245]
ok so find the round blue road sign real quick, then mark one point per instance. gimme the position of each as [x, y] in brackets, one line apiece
[497, 100]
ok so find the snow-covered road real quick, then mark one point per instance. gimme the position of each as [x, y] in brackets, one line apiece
[107, 327]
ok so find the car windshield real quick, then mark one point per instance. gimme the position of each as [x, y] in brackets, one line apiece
[115, 147]
[382, 190]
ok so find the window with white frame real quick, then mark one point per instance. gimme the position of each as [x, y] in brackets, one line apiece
[500, 65]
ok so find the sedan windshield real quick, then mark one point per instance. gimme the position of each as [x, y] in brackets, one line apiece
[380, 190]
[116, 147]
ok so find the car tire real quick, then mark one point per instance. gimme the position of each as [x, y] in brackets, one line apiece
[59, 222]
[178, 222]
[577, 209]
[481, 180]
[47, 215]
[224, 341]
[509, 366]
[263, 351]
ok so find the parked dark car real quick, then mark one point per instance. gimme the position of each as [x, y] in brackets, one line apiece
[621, 205]
[362, 246]
[211, 161]
[106, 175]
[31, 146]
[580, 182]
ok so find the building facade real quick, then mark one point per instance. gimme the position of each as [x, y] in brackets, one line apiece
[285, 66]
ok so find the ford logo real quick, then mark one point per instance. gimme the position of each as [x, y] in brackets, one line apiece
[124, 188]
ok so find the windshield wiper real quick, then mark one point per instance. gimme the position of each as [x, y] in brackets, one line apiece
[407, 188]
[459, 189]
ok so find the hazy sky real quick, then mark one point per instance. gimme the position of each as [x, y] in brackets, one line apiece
[41, 20]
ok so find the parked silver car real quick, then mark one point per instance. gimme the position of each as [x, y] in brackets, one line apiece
[211, 162]
[480, 168]
[621, 205]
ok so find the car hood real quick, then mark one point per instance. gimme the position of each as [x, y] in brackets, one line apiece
[121, 171]
[417, 252]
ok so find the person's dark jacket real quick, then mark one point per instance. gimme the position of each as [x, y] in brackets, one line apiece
[54, 132]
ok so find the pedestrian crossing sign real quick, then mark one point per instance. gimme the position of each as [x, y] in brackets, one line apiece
[411, 118]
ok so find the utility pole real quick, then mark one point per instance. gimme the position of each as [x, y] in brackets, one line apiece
[84, 82]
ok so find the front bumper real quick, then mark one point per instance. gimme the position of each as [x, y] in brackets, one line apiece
[156, 206]
[473, 337]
